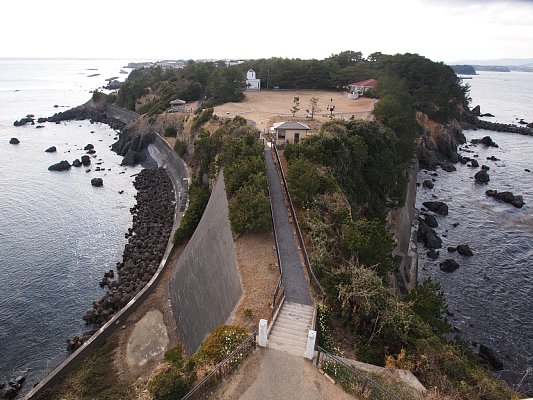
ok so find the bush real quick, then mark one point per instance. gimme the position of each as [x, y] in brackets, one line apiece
[198, 199]
[249, 210]
[202, 117]
[180, 148]
[220, 343]
[170, 131]
[173, 383]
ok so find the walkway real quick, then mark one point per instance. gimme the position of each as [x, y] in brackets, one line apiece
[294, 279]
[274, 375]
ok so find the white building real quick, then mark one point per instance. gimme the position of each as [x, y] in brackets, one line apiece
[252, 83]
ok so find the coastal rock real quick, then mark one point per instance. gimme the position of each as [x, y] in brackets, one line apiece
[88, 147]
[482, 176]
[431, 221]
[433, 254]
[51, 149]
[490, 356]
[23, 121]
[91, 151]
[16, 383]
[428, 184]
[473, 163]
[14, 140]
[86, 160]
[131, 158]
[486, 141]
[76, 163]
[451, 249]
[492, 158]
[464, 250]
[506, 197]
[60, 166]
[436, 206]
[487, 115]
[448, 265]
[449, 167]
[476, 111]
[97, 182]
[486, 167]
[428, 236]
[10, 393]
[42, 120]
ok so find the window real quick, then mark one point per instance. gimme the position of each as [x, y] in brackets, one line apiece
[281, 133]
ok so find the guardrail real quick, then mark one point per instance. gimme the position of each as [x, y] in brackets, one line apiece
[222, 370]
[351, 380]
[312, 277]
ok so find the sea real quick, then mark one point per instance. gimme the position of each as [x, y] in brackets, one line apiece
[490, 295]
[58, 234]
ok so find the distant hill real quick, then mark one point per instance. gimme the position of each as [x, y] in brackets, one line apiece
[509, 62]
[495, 68]
[463, 69]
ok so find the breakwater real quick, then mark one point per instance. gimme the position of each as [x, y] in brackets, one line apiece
[175, 166]
[206, 286]
[474, 122]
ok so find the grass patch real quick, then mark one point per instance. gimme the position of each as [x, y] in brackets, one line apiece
[94, 378]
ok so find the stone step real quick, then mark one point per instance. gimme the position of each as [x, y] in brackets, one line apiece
[296, 314]
[288, 329]
[292, 323]
[280, 340]
[278, 333]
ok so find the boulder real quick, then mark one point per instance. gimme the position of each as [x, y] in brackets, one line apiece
[97, 182]
[476, 111]
[60, 166]
[428, 183]
[482, 176]
[10, 393]
[518, 201]
[473, 163]
[436, 206]
[506, 197]
[492, 158]
[451, 249]
[448, 265]
[486, 167]
[489, 355]
[464, 250]
[428, 236]
[41, 120]
[486, 141]
[88, 147]
[431, 221]
[17, 382]
[449, 167]
[86, 160]
[91, 151]
[76, 163]
[433, 254]
[14, 140]
[131, 158]
[24, 121]
[51, 149]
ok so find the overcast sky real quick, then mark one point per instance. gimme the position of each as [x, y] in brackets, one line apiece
[443, 30]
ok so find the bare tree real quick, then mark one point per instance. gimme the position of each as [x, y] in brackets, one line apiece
[313, 107]
[296, 106]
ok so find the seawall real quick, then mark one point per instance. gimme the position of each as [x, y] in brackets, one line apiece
[206, 286]
[401, 221]
[165, 156]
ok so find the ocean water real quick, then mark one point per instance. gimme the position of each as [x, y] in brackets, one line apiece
[491, 293]
[58, 234]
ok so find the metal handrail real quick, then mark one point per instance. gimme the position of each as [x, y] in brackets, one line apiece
[356, 376]
[220, 370]
[314, 281]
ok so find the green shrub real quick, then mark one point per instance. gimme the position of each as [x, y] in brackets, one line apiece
[198, 199]
[170, 131]
[220, 343]
[249, 210]
[202, 117]
[180, 148]
[171, 384]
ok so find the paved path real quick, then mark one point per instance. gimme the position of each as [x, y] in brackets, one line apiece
[274, 375]
[294, 280]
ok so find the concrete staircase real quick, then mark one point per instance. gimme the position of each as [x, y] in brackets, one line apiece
[289, 333]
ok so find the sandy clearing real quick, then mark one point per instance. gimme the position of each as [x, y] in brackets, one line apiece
[261, 106]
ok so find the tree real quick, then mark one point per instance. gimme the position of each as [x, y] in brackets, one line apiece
[249, 210]
[296, 105]
[346, 58]
[313, 107]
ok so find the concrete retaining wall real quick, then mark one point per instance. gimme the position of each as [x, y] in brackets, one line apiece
[206, 286]
[165, 157]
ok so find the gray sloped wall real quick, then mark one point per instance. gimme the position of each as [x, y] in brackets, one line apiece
[206, 286]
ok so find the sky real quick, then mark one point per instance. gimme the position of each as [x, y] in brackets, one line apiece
[442, 30]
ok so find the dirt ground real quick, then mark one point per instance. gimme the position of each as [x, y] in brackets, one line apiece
[262, 106]
[257, 262]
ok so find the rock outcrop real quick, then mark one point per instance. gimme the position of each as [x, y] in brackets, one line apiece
[438, 207]
[448, 265]
[482, 176]
[507, 197]
[97, 182]
[14, 140]
[51, 149]
[60, 166]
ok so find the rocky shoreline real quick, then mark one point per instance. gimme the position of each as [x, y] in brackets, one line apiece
[153, 217]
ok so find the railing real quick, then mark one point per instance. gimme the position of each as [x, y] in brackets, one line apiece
[222, 370]
[279, 293]
[312, 277]
[351, 380]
